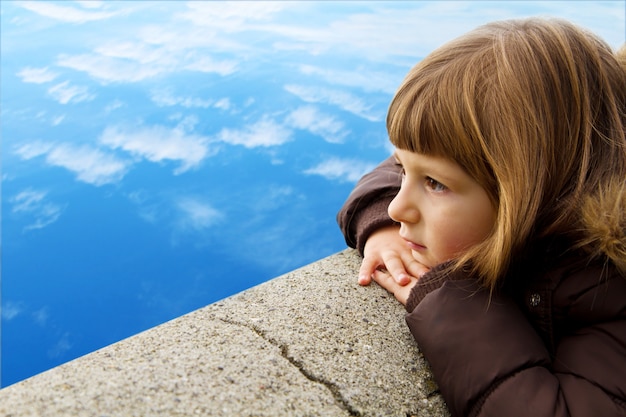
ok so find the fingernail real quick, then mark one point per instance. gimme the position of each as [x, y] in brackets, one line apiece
[362, 279]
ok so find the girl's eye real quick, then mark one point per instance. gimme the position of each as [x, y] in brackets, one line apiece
[435, 185]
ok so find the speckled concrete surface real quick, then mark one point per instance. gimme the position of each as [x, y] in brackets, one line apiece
[309, 343]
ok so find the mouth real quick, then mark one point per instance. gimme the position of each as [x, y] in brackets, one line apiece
[414, 246]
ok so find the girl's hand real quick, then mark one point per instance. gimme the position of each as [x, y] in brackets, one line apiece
[401, 292]
[386, 253]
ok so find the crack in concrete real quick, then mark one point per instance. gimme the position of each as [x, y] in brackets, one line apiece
[284, 352]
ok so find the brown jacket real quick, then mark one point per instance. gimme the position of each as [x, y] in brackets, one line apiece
[551, 342]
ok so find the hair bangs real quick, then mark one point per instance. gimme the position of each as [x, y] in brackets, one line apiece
[434, 113]
[416, 121]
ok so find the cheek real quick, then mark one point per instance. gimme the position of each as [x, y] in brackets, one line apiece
[452, 241]
[484, 222]
[444, 239]
[458, 235]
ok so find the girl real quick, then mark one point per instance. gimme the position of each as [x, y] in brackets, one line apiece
[506, 230]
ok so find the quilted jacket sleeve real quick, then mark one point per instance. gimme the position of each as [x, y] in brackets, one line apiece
[489, 360]
[365, 210]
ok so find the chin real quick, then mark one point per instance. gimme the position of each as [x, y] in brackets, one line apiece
[419, 257]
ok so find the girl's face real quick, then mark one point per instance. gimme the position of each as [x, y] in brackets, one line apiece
[441, 209]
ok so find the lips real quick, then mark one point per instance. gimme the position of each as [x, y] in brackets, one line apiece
[413, 245]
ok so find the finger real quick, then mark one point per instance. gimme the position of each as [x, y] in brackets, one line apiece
[368, 267]
[414, 268]
[395, 266]
[385, 280]
[400, 292]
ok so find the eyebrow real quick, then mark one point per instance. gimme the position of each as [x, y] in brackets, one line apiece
[445, 178]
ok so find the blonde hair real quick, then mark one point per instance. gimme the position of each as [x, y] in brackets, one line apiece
[534, 111]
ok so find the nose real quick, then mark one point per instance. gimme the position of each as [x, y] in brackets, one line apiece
[402, 209]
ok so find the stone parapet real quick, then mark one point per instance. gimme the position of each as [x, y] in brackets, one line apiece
[309, 343]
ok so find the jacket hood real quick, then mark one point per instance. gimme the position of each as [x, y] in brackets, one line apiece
[603, 219]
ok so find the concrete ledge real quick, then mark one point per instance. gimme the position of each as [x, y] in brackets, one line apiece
[309, 343]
